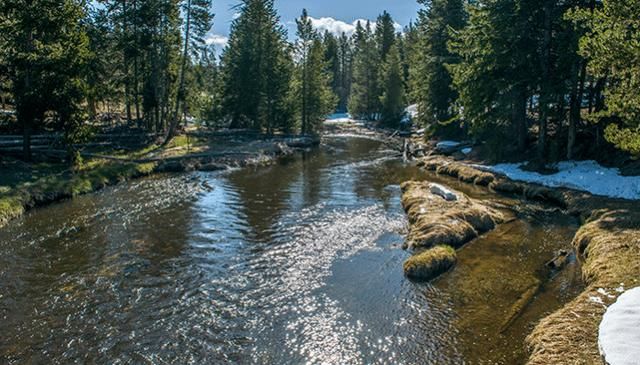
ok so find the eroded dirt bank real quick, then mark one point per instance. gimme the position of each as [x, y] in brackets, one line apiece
[607, 244]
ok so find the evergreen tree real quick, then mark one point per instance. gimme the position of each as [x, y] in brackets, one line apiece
[257, 68]
[612, 45]
[205, 101]
[345, 56]
[393, 97]
[47, 51]
[433, 89]
[385, 35]
[365, 97]
[313, 89]
[332, 60]
[198, 22]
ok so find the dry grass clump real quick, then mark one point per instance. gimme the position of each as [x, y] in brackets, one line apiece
[570, 335]
[610, 245]
[468, 174]
[436, 221]
[460, 171]
[430, 263]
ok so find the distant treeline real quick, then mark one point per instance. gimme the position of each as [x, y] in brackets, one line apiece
[66, 63]
[560, 76]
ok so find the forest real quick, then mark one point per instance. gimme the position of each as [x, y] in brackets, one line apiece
[546, 81]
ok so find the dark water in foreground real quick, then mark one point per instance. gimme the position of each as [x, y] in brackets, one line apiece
[295, 263]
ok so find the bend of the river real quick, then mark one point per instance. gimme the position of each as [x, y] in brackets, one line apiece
[299, 262]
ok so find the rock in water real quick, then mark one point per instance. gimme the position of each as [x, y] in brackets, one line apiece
[442, 191]
[619, 337]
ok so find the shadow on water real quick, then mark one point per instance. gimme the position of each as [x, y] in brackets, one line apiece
[296, 262]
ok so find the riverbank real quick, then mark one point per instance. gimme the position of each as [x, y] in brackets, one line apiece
[26, 186]
[608, 245]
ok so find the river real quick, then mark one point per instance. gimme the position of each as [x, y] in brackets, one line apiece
[299, 262]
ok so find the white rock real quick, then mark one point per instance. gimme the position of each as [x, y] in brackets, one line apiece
[442, 191]
[619, 337]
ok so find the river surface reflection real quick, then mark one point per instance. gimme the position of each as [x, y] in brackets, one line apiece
[299, 262]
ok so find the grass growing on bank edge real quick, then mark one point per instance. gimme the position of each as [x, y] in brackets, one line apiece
[91, 176]
[430, 263]
[609, 243]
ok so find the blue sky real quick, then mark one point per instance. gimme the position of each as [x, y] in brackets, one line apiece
[335, 15]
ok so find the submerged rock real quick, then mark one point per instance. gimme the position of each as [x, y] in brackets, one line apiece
[431, 263]
[560, 260]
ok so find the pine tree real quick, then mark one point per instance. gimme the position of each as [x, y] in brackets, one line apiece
[48, 49]
[365, 96]
[313, 89]
[345, 56]
[198, 22]
[393, 97]
[496, 72]
[432, 81]
[613, 45]
[257, 68]
[332, 60]
[385, 35]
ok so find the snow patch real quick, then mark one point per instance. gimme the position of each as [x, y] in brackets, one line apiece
[619, 337]
[447, 144]
[338, 118]
[467, 150]
[580, 175]
[412, 111]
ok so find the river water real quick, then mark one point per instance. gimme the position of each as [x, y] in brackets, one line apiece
[299, 262]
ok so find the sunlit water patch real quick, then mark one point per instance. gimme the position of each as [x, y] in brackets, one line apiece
[300, 262]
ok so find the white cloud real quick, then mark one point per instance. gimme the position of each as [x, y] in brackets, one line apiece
[219, 41]
[338, 27]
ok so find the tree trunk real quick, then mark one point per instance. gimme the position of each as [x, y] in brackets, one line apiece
[183, 68]
[519, 117]
[546, 75]
[576, 107]
[136, 69]
[304, 91]
[127, 81]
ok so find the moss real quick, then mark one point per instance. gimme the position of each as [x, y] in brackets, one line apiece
[10, 208]
[431, 263]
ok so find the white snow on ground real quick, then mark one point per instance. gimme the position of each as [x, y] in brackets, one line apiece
[445, 144]
[412, 111]
[341, 118]
[467, 150]
[581, 175]
[619, 335]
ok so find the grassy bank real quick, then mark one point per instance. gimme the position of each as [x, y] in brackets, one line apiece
[25, 186]
[608, 244]
[62, 183]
